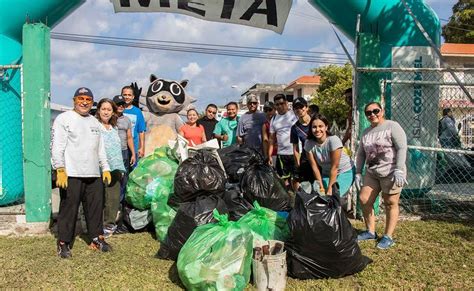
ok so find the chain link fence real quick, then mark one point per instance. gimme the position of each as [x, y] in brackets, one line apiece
[438, 118]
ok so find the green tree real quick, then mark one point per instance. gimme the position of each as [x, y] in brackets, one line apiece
[330, 94]
[460, 28]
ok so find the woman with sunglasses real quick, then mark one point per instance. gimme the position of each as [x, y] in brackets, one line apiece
[383, 150]
[191, 131]
[330, 164]
[107, 116]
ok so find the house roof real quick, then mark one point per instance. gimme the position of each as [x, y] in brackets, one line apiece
[457, 49]
[263, 87]
[304, 80]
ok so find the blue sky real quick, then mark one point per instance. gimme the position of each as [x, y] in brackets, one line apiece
[105, 69]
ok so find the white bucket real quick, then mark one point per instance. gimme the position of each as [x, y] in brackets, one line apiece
[270, 273]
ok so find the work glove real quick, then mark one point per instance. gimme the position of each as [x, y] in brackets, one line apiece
[358, 181]
[399, 178]
[106, 177]
[61, 178]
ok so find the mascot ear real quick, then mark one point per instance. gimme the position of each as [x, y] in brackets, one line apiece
[184, 83]
[152, 78]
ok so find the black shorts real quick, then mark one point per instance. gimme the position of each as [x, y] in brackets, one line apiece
[304, 172]
[285, 166]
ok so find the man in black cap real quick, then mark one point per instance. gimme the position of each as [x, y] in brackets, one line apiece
[78, 156]
[299, 133]
[124, 125]
[249, 130]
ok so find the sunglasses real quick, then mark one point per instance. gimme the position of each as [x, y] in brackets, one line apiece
[212, 112]
[267, 109]
[253, 103]
[370, 112]
[120, 104]
[84, 99]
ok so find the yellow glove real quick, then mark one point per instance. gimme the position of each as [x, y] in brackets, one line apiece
[61, 178]
[347, 151]
[106, 177]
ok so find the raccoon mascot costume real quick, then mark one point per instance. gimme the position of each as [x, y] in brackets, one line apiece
[164, 102]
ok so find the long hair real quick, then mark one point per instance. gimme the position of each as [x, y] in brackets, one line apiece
[317, 117]
[114, 117]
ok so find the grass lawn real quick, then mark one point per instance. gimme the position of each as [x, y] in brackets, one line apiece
[428, 254]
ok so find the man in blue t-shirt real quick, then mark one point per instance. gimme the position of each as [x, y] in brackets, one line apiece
[138, 122]
[299, 133]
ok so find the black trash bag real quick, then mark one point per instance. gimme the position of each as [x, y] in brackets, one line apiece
[197, 176]
[261, 183]
[189, 216]
[323, 243]
[236, 204]
[237, 158]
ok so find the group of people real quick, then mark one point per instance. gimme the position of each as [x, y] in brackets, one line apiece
[300, 146]
[92, 156]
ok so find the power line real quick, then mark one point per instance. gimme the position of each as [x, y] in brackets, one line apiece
[200, 48]
[194, 43]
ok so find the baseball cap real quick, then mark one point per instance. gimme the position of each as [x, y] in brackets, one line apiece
[119, 99]
[83, 91]
[268, 105]
[300, 102]
[252, 98]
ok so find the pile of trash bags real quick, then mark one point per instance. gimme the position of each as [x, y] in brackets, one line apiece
[213, 208]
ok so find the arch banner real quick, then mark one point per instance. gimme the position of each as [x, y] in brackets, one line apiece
[266, 14]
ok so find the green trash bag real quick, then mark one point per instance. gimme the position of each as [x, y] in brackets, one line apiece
[163, 215]
[151, 173]
[217, 256]
[265, 224]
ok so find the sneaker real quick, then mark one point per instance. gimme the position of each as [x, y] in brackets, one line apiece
[109, 230]
[64, 251]
[121, 229]
[385, 243]
[100, 244]
[366, 235]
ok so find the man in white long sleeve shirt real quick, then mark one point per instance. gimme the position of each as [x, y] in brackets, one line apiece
[78, 156]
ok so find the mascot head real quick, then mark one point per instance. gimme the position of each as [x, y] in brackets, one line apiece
[165, 96]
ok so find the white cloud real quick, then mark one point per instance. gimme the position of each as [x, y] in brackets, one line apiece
[191, 70]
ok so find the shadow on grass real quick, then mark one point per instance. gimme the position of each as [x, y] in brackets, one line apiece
[465, 234]
[174, 276]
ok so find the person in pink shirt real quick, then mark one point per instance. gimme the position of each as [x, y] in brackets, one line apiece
[192, 131]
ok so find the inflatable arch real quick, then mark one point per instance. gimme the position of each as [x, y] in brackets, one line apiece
[387, 37]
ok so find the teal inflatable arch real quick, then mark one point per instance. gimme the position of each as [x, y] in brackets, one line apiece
[14, 14]
[388, 37]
